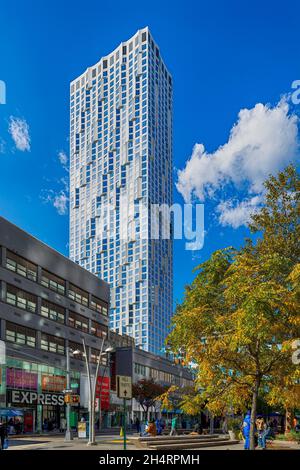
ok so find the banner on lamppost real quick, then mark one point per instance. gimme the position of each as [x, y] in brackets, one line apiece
[103, 391]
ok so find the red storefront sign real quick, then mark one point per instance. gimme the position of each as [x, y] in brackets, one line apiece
[21, 379]
[102, 390]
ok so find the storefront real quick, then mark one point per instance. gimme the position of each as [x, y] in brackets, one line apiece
[36, 391]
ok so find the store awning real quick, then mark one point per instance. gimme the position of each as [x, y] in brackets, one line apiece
[9, 413]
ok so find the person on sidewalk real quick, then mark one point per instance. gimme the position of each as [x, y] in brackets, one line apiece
[263, 431]
[159, 428]
[151, 430]
[246, 430]
[137, 425]
[174, 426]
[3, 435]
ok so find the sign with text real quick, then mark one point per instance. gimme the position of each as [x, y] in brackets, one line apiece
[54, 383]
[22, 379]
[103, 391]
[124, 386]
[33, 398]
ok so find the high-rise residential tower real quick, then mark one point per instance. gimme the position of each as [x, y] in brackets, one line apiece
[121, 165]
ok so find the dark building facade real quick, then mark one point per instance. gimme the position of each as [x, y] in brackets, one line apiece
[47, 304]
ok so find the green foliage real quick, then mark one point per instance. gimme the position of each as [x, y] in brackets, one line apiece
[241, 313]
[234, 424]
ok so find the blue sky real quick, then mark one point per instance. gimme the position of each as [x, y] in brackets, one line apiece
[224, 56]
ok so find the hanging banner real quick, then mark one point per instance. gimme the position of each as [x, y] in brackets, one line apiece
[103, 391]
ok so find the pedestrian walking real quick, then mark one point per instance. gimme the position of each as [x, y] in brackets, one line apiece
[3, 435]
[174, 426]
[137, 425]
[262, 430]
[158, 427]
[246, 430]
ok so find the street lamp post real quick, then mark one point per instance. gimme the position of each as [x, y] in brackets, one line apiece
[92, 391]
[68, 435]
[107, 351]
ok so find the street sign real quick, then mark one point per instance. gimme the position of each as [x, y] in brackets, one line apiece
[69, 390]
[124, 386]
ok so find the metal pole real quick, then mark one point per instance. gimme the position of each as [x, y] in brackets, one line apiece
[92, 405]
[68, 435]
[124, 424]
[94, 390]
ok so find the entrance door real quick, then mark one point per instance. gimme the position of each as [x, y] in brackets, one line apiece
[28, 421]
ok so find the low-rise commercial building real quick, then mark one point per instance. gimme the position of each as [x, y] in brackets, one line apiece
[50, 305]
[47, 304]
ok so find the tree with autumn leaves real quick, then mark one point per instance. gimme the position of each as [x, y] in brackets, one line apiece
[241, 314]
[146, 393]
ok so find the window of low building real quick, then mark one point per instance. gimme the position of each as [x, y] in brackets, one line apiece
[21, 266]
[98, 305]
[53, 282]
[76, 350]
[95, 356]
[78, 295]
[79, 322]
[20, 335]
[98, 330]
[52, 311]
[52, 344]
[20, 298]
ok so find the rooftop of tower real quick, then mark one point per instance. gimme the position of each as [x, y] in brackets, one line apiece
[110, 54]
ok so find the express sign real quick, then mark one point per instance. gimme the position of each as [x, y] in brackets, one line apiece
[33, 398]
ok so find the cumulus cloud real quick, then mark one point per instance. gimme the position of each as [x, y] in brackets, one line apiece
[235, 214]
[263, 141]
[19, 131]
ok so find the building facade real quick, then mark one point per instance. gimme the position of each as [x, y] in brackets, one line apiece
[121, 165]
[147, 366]
[47, 304]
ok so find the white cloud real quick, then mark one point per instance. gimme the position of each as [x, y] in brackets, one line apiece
[59, 200]
[63, 158]
[19, 131]
[2, 145]
[263, 141]
[235, 214]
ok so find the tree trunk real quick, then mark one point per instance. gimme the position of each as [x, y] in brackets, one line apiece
[253, 413]
[288, 421]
